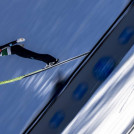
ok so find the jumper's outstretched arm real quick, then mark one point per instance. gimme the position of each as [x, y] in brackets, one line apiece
[8, 44]
[13, 43]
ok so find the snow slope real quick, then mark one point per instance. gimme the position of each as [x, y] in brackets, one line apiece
[110, 110]
[61, 28]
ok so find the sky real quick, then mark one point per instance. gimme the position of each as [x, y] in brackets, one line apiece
[61, 28]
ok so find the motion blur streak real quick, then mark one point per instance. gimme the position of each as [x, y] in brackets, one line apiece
[111, 108]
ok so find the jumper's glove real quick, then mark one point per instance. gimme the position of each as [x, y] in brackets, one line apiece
[20, 40]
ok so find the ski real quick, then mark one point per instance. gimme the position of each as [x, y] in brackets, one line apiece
[41, 70]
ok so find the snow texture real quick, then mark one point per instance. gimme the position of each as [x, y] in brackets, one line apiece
[62, 28]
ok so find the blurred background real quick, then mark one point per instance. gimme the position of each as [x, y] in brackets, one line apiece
[63, 29]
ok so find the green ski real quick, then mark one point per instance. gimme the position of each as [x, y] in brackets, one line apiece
[41, 70]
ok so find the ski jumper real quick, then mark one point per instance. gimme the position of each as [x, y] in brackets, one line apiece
[12, 48]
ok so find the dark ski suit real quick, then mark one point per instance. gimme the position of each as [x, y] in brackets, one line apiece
[25, 53]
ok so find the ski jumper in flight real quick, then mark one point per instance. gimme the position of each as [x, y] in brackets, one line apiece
[14, 48]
